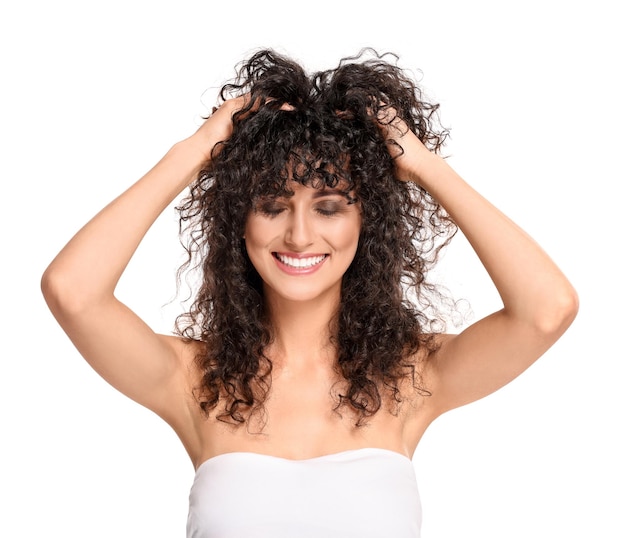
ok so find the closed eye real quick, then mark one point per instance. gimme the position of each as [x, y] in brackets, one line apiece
[325, 208]
[326, 212]
[270, 208]
[330, 208]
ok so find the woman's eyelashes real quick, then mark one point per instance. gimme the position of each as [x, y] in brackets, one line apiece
[329, 208]
[326, 208]
[270, 208]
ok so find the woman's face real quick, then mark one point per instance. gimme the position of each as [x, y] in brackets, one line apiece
[302, 245]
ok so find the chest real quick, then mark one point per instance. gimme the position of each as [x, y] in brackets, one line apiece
[301, 419]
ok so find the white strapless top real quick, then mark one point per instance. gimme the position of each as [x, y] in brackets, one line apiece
[364, 493]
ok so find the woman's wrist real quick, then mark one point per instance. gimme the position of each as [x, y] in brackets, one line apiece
[197, 147]
[417, 164]
[187, 157]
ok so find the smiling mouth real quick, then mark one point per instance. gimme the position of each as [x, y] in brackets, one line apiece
[300, 263]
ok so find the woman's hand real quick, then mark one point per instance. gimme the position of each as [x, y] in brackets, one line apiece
[410, 155]
[218, 126]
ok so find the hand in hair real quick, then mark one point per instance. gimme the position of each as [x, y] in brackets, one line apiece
[409, 154]
[218, 126]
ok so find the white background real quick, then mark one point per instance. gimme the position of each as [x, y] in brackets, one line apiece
[92, 94]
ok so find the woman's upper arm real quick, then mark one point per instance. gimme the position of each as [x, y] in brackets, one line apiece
[121, 347]
[486, 356]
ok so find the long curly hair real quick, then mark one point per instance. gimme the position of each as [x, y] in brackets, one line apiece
[319, 129]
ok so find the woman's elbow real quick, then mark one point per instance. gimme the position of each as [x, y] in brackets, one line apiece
[61, 292]
[559, 313]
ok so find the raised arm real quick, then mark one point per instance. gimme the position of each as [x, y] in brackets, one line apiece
[79, 283]
[539, 303]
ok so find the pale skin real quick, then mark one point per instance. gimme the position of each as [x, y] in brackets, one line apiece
[158, 371]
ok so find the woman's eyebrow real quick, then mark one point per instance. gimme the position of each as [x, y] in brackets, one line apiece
[329, 192]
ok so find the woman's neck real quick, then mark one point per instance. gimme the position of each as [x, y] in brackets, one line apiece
[302, 331]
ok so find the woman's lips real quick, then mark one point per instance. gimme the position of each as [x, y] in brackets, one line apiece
[299, 264]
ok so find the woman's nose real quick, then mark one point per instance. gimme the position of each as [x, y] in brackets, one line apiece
[299, 233]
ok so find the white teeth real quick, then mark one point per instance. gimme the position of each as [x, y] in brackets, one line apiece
[300, 263]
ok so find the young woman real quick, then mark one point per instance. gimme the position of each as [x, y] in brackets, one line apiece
[314, 355]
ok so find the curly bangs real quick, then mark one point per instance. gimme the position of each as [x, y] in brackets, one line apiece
[319, 130]
[274, 146]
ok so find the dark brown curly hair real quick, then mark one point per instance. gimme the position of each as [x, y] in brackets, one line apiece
[326, 124]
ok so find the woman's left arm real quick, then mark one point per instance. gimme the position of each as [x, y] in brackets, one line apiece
[539, 303]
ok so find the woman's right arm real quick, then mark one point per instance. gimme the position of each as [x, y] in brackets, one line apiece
[79, 283]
